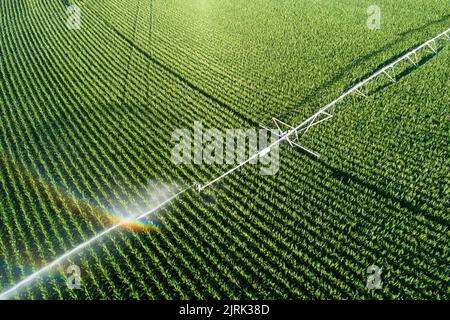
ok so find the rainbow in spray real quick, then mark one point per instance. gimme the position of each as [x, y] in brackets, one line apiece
[138, 218]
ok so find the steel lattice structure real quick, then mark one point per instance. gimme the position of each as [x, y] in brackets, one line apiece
[293, 134]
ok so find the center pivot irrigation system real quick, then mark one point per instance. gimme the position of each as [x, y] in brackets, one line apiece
[291, 134]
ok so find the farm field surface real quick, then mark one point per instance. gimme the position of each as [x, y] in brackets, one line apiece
[86, 124]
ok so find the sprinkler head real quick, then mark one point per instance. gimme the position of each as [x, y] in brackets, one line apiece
[197, 186]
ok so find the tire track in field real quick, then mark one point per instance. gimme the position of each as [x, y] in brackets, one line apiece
[175, 74]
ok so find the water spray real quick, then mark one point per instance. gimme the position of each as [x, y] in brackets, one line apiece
[20, 285]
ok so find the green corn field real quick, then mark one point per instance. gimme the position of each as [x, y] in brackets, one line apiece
[87, 116]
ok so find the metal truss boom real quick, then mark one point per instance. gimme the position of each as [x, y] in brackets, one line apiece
[323, 114]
